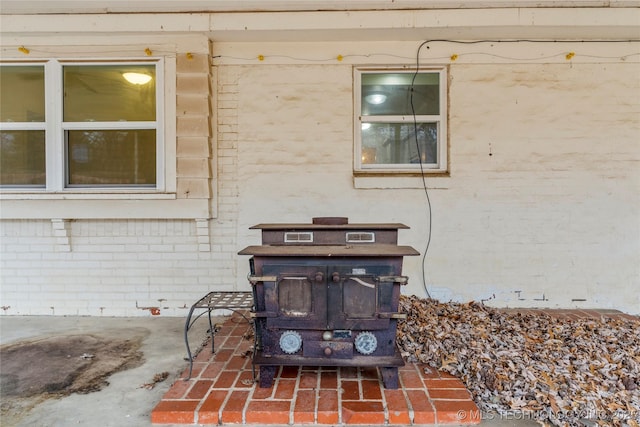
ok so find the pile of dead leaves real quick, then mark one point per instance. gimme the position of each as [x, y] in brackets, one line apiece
[557, 371]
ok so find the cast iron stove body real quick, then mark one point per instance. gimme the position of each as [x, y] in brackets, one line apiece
[326, 294]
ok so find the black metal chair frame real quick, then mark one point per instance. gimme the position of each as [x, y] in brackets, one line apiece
[235, 301]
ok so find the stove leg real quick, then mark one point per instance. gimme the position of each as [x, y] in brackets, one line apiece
[390, 377]
[267, 373]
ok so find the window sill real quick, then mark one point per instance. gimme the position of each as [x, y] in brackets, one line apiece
[391, 180]
[94, 205]
[400, 172]
[85, 195]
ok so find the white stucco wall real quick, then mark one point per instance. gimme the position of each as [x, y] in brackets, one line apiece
[541, 206]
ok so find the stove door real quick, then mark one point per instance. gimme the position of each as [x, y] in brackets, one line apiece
[298, 299]
[358, 300]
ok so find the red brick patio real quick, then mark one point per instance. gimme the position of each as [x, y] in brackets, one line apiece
[221, 391]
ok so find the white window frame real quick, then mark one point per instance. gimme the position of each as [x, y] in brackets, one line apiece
[441, 166]
[55, 128]
[167, 199]
[28, 126]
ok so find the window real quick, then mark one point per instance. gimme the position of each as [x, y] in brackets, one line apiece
[80, 125]
[400, 123]
[22, 131]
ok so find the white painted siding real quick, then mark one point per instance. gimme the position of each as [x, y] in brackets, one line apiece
[100, 6]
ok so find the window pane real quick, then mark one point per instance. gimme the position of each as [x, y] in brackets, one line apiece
[22, 93]
[395, 143]
[22, 158]
[102, 93]
[111, 157]
[386, 94]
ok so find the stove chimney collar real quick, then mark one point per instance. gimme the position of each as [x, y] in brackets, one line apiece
[330, 220]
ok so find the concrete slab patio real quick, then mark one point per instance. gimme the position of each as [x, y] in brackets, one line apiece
[124, 402]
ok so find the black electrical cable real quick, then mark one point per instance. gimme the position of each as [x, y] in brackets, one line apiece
[522, 41]
[424, 180]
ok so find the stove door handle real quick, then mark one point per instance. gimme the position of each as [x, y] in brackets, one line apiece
[257, 279]
[267, 314]
[396, 279]
[362, 282]
[392, 315]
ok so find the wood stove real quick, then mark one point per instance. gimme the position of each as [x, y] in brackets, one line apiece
[326, 294]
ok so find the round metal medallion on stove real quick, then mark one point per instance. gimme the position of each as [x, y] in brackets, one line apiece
[366, 342]
[290, 342]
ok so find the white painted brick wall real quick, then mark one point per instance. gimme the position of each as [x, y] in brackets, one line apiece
[114, 268]
[549, 219]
